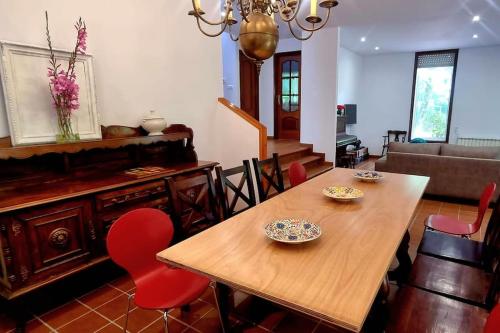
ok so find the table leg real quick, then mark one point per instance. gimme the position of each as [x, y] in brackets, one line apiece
[401, 273]
[222, 299]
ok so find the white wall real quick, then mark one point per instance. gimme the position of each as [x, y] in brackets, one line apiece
[236, 140]
[147, 56]
[476, 104]
[385, 97]
[319, 91]
[349, 71]
[231, 69]
[386, 88]
[266, 84]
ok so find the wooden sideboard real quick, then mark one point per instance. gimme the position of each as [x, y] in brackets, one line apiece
[58, 201]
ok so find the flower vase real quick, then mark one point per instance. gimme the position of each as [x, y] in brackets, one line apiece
[66, 133]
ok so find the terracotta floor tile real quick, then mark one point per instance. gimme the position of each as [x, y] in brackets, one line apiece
[138, 319]
[64, 314]
[100, 296]
[88, 323]
[36, 326]
[174, 326]
[294, 323]
[123, 283]
[198, 310]
[115, 308]
[110, 328]
[210, 323]
[208, 296]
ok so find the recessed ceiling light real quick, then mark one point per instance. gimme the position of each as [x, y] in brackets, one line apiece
[476, 18]
[475, 36]
[363, 39]
[377, 48]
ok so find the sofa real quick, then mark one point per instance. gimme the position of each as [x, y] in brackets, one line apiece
[454, 171]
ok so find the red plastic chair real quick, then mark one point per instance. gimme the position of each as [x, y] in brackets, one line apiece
[297, 174]
[133, 242]
[493, 322]
[452, 226]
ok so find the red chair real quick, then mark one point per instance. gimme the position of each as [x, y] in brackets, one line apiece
[133, 242]
[452, 226]
[493, 322]
[297, 174]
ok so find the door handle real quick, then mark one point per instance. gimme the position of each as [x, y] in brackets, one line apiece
[278, 96]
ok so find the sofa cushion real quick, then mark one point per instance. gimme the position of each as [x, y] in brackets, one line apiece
[415, 148]
[491, 153]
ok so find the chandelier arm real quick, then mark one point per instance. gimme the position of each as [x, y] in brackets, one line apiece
[234, 39]
[284, 18]
[297, 37]
[317, 28]
[198, 15]
[209, 34]
[242, 11]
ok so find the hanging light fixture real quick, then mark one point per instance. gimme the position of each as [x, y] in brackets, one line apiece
[258, 35]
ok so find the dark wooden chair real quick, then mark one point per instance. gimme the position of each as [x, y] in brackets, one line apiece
[467, 284]
[464, 251]
[192, 204]
[269, 176]
[415, 310]
[232, 196]
[395, 136]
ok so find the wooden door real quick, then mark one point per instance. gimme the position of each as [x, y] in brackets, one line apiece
[287, 77]
[249, 87]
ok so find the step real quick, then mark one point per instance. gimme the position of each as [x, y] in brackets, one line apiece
[312, 172]
[307, 161]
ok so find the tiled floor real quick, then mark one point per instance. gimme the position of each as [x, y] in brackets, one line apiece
[102, 309]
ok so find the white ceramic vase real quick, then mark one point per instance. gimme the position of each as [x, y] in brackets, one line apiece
[154, 124]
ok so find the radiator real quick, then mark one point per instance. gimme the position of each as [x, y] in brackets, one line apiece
[477, 142]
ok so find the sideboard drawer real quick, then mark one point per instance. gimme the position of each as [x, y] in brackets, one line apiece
[129, 195]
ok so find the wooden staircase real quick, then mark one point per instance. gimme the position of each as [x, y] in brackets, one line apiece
[293, 151]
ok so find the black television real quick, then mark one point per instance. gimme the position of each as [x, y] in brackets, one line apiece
[350, 113]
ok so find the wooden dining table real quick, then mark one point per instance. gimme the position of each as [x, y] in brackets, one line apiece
[334, 278]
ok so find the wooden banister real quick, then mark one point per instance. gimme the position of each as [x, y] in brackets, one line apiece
[252, 121]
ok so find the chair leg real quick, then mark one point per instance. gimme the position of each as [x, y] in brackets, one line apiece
[221, 308]
[126, 314]
[165, 319]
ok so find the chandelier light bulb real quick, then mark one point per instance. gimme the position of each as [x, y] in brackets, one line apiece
[363, 39]
[476, 18]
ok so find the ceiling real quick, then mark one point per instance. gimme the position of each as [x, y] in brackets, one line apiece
[413, 25]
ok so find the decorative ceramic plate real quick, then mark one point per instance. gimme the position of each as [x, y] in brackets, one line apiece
[368, 176]
[342, 193]
[292, 231]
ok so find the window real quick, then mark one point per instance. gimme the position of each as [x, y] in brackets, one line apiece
[433, 85]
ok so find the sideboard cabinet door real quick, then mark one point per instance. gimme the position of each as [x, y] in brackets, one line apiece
[57, 237]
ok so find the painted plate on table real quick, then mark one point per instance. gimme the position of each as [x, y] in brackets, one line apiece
[343, 193]
[293, 231]
[368, 176]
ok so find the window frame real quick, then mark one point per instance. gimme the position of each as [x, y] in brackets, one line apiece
[452, 93]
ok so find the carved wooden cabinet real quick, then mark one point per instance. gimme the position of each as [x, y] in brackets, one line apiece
[58, 201]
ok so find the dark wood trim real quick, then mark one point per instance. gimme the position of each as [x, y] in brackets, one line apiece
[450, 109]
[275, 105]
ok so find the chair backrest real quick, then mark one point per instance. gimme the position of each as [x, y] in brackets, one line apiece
[484, 202]
[493, 321]
[399, 136]
[136, 237]
[268, 175]
[297, 174]
[192, 203]
[230, 194]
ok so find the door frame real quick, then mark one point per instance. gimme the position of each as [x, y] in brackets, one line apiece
[255, 83]
[275, 80]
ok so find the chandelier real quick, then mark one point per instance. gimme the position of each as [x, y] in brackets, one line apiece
[258, 35]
